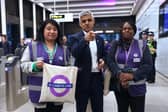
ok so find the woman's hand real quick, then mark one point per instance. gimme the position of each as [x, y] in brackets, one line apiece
[39, 64]
[124, 78]
[101, 64]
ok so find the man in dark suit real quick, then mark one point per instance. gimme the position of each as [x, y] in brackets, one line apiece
[88, 50]
[5, 44]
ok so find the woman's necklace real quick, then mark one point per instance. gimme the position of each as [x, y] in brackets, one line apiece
[50, 53]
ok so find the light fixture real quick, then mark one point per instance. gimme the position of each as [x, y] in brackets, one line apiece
[109, 31]
[98, 31]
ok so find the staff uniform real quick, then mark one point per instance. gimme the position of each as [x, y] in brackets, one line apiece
[35, 77]
[135, 58]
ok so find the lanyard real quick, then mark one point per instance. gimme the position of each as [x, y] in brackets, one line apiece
[50, 53]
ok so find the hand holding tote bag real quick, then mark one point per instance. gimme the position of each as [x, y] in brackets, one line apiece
[58, 83]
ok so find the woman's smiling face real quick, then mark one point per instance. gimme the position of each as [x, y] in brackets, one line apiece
[50, 32]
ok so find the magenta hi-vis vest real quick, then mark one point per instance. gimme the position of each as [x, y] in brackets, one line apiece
[132, 59]
[35, 80]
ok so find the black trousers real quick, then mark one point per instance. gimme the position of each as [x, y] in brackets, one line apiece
[94, 93]
[151, 76]
[50, 108]
[124, 101]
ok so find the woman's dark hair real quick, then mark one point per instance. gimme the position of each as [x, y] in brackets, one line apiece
[40, 34]
[131, 24]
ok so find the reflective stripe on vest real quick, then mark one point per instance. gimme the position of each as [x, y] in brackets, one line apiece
[121, 66]
[140, 82]
[34, 88]
[133, 82]
[36, 74]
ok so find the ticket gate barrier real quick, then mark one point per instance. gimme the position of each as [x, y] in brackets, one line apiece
[16, 94]
[1, 52]
[2, 70]
[2, 76]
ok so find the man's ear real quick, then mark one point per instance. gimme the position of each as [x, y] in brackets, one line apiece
[94, 21]
[80, 24]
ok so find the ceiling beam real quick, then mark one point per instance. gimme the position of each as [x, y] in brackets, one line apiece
[60, 7]
[92, 4]
[97, 9]
[107, 15]
[51, 1]
[102, 12]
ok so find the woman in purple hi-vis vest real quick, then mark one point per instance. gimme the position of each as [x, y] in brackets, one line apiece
[47, 48]
[130, 62]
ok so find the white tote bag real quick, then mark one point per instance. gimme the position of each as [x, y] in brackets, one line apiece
[58, 83]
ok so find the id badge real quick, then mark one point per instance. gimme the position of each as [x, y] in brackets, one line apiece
[136, 59]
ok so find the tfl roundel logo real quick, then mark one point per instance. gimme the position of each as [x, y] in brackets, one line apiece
[59, 81]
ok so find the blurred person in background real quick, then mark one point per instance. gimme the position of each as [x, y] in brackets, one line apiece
[152, 44]
[5, 44]
[144, 35]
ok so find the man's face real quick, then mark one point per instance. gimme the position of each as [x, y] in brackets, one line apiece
[87, 23]
[144, 36]
[151, 37]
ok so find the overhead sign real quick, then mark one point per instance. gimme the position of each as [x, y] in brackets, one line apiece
[68, 17]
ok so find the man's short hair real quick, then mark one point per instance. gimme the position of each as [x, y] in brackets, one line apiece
[85, 12]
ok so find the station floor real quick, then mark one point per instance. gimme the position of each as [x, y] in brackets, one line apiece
[156, 99]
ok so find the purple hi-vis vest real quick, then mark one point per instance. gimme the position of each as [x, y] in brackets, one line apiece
[35, 79]
[132, 59]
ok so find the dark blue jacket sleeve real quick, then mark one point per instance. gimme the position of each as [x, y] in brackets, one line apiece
[78, 46]
[145, 67]
[110, 59]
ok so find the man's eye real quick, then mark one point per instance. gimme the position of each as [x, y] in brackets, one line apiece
[84, 21]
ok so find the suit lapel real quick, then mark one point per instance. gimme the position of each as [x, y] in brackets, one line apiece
[81, 34]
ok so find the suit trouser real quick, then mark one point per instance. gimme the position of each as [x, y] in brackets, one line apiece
[124, 101]
[94, 93]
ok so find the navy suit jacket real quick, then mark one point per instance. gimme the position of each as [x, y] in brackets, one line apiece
[81, 51]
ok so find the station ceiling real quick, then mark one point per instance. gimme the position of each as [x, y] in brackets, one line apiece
[100, 8]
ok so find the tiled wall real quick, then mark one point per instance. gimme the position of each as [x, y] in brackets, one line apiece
[162, 56]
[150, 19]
